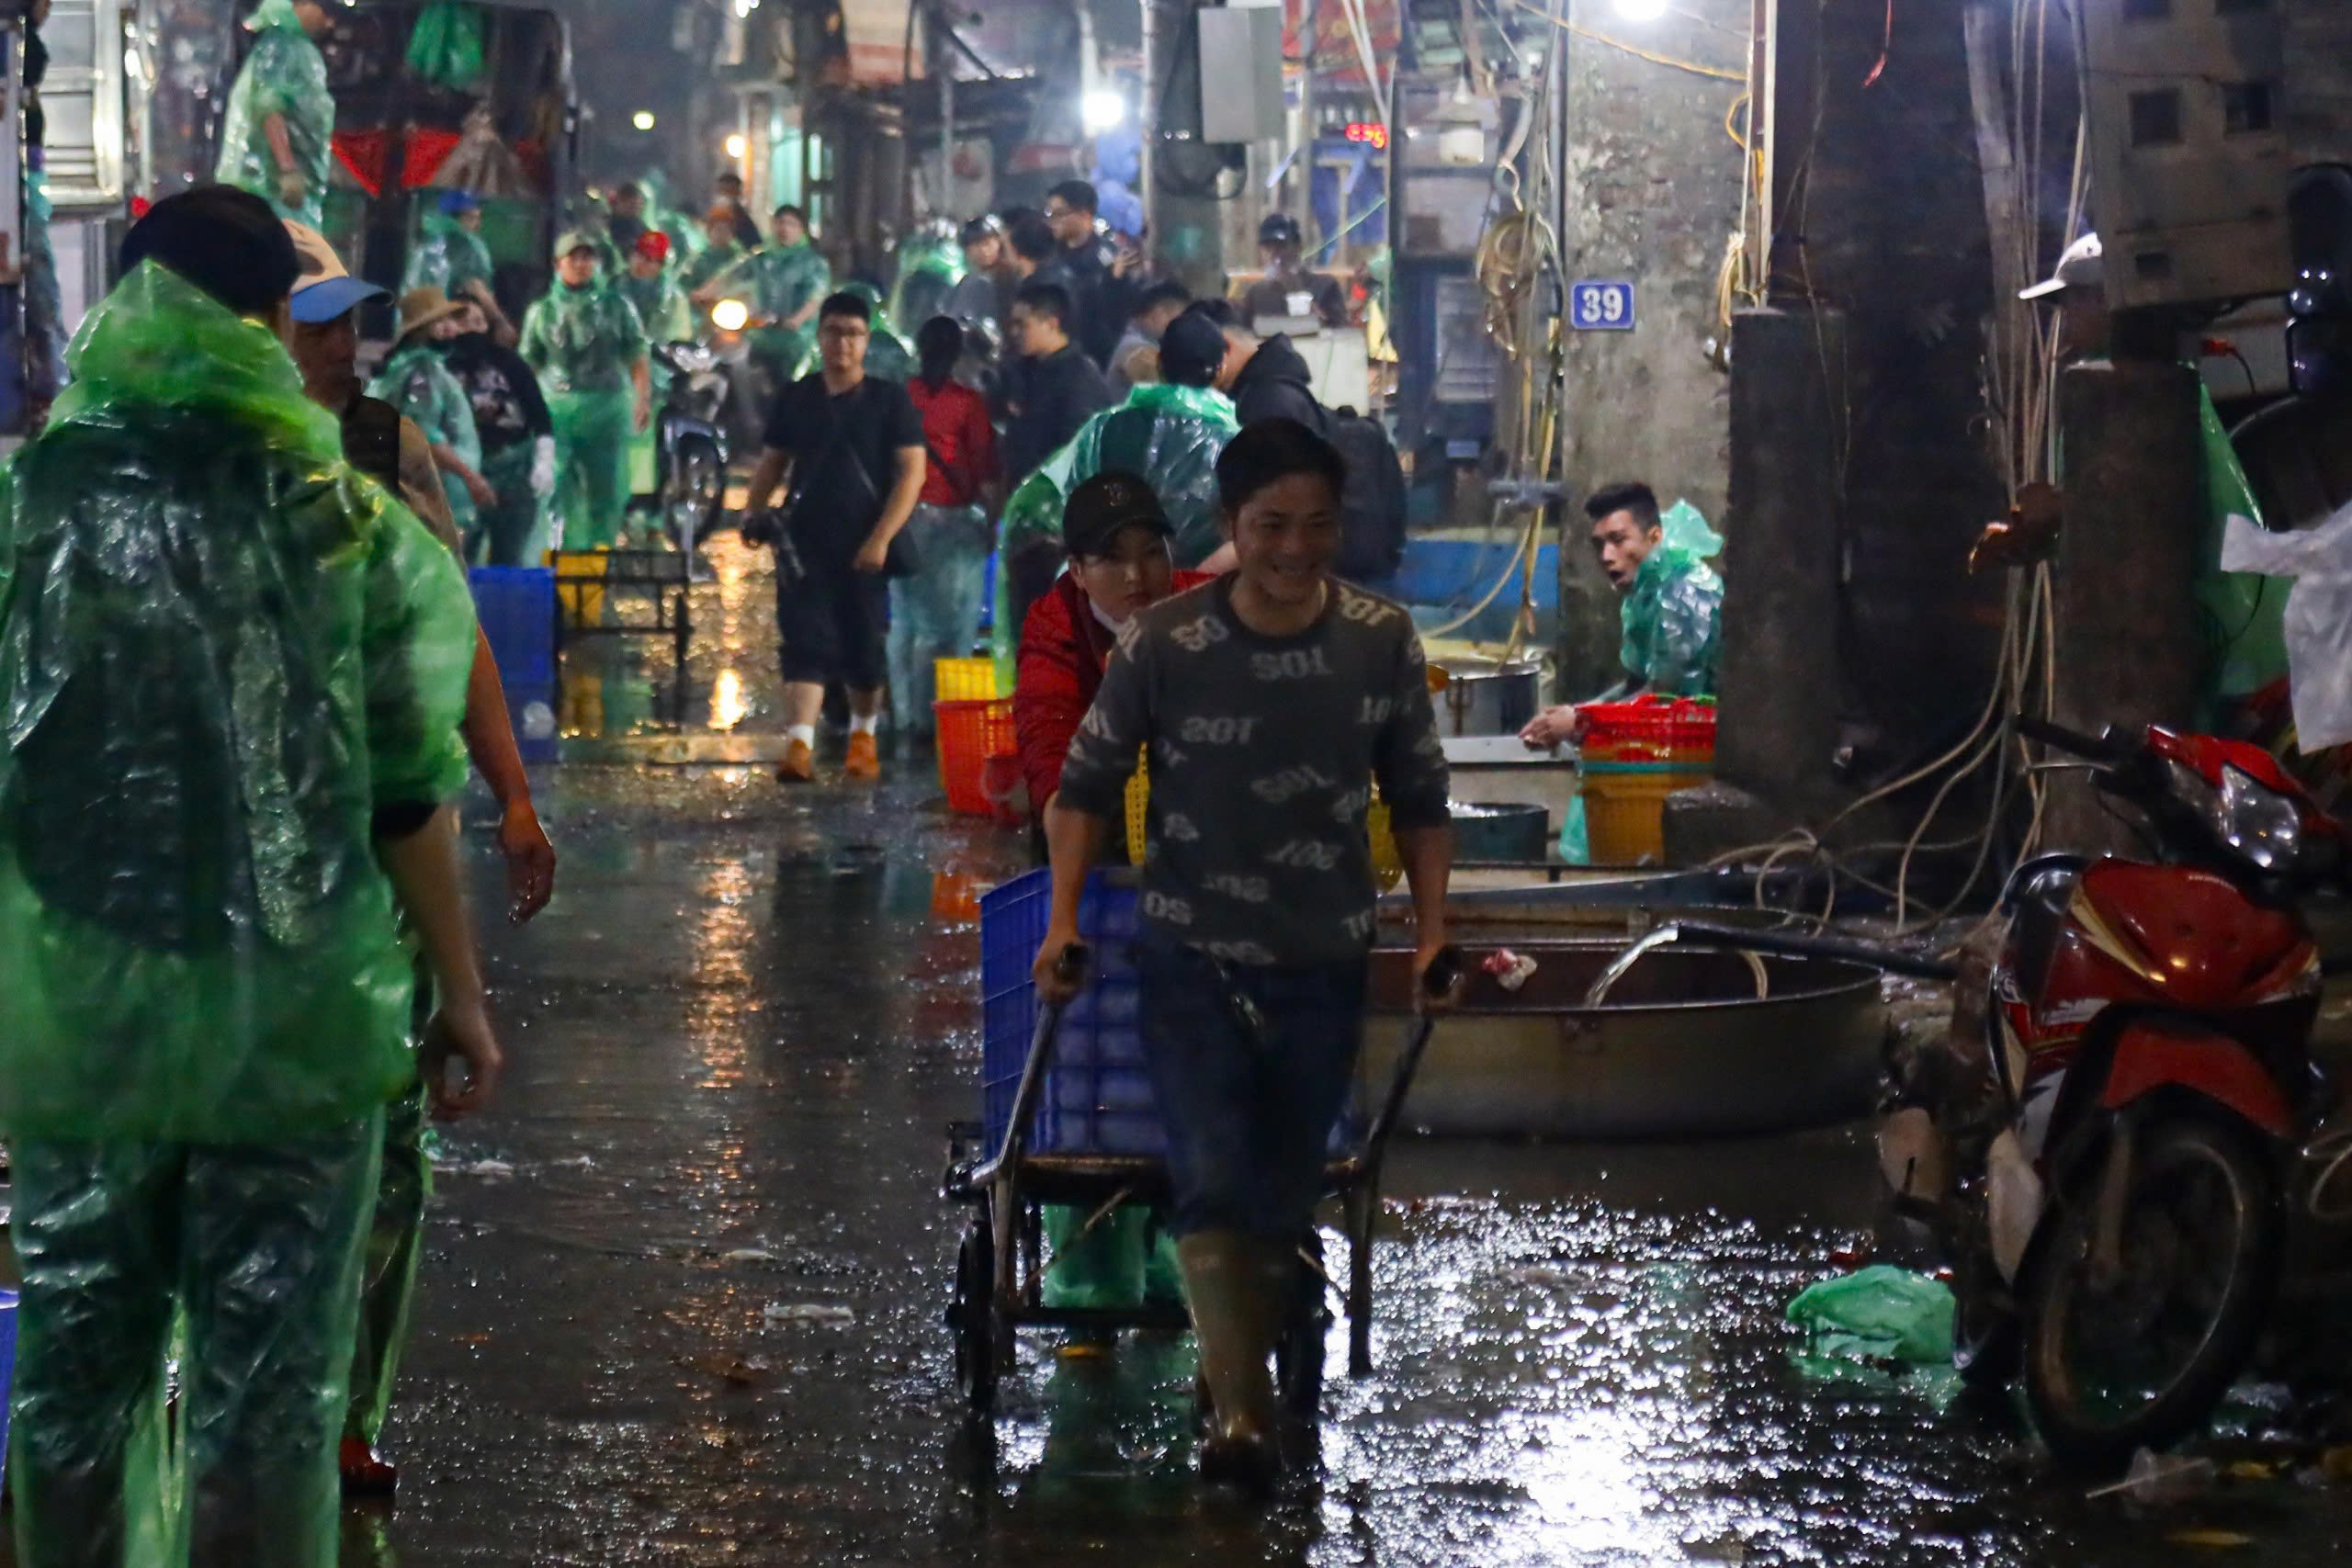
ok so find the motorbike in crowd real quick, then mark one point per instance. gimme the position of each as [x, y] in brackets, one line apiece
[691, 443]
[2111, 1153]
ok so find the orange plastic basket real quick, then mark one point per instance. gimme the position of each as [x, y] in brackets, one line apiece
[970, 732]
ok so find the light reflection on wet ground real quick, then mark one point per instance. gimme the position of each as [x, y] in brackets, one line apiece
[738, 1033]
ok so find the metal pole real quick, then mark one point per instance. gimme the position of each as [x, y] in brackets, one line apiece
[1310, 24]
[941, 62]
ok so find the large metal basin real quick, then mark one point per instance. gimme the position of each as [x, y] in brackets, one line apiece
[1683, 1046]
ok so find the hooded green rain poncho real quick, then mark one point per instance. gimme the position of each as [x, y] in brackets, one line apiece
[583, 342]
[198, 944]
[417, 382]
[1171, 435]
[1671, 618]
[285, 75]
[783, 281]
[660, 305]
[449, 257]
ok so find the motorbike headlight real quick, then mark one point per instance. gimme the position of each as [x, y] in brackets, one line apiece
[731, 315]
[2258, 822]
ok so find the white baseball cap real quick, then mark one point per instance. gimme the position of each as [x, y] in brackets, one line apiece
[325, 289]
[2082, 266]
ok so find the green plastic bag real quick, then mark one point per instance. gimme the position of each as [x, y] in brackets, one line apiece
[221, 651]
[446, 48]
[1881, 1314]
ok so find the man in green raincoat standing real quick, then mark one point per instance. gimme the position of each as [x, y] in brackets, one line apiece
[277, 135]
[589, 349]
[417, 382]
[213, 799]
[453, 257]
[720, 256]
[787, 281]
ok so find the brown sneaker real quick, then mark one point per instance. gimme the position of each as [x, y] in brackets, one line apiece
[799, 764]
[864, 758]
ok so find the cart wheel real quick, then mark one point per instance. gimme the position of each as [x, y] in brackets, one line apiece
[1306, 1326]
[971, 1314]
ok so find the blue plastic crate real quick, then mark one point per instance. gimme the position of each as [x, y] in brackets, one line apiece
[1097, 1095]
[517, 606]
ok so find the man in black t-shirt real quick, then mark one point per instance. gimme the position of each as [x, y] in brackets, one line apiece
[853, 447]
[518, 437]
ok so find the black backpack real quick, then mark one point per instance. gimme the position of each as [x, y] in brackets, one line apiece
[1371, 508]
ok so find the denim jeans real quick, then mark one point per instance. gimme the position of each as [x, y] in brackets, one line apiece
[936, 613]
[1248, 1107]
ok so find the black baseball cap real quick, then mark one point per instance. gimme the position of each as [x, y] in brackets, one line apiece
[225, 241]
[1191, 351]
[1100, 507]
[1279, 228]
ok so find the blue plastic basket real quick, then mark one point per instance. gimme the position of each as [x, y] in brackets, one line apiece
[517, 606]
[1098, 1096]
[8, 1361]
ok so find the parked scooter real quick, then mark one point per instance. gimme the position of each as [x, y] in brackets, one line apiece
[2115, 1206]
[2105, 1152]
[691, 444]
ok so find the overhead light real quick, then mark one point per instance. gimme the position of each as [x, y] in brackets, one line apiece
[737, 145]
[642, 119]
[1641, 10]
[744, 8]
[1105, 109]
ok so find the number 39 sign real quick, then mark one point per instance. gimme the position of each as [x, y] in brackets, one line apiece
[1601, 305]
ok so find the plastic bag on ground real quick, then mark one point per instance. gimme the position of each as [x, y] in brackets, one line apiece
[1881, 1314]
[2318, 608]
[196, 940]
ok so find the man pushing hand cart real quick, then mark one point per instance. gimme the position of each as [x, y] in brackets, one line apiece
[1270, 701]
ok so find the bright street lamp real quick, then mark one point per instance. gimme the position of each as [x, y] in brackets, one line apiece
[642, 119]
[737, 146]
[1104, 111]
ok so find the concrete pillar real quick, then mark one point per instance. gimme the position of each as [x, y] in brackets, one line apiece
[1780, 678]
[2129, 648]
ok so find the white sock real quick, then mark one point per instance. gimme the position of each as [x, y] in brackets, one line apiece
[865, 725]
[804, 733]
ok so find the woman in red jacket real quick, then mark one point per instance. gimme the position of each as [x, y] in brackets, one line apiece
[1116, 537]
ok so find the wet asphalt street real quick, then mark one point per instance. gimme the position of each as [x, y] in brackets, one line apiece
[682, 1305]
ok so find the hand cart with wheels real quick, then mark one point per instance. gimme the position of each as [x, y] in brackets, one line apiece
[1071, 1129]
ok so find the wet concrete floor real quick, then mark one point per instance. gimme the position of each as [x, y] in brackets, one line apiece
[737, 1035]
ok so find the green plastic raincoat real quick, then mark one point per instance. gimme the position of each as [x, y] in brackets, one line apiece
[783, 280]
[583, 342]
[1671, 618]
[2244, 615]
[223, 653]
[449, 257]
[660, 304]
[415, 381]
[715, 261]
[1171, 435]
[284, 75]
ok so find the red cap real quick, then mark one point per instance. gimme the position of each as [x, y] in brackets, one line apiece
[653, 246]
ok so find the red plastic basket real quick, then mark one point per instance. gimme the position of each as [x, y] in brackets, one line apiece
[1650, 728]
[969, 733]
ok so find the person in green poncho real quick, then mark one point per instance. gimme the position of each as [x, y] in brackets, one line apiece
[589, 349]
[417, 382]
[1673, 604]
[453, 257]
[276, 134]
[650, 283]
[215, 797]
[787, 281]
[720, 254]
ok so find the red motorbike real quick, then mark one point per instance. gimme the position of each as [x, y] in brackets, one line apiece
[2115, 1204]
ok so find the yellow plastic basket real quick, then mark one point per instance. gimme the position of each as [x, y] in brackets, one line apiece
[1624, 813]
[1387, 864]
[966, 679]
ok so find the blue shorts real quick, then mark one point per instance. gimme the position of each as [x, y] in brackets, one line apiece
[1248, 1105]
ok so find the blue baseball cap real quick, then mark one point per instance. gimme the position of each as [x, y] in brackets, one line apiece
[323, 289]
[454, 202]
